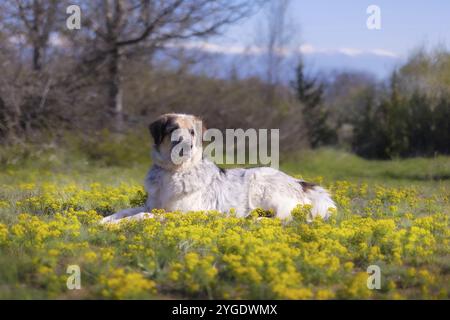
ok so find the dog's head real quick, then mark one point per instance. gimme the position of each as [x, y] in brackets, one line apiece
[177, 140]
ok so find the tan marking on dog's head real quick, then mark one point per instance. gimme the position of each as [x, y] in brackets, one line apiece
[167, 123]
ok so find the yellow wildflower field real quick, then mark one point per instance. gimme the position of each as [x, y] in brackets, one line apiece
[47, 225]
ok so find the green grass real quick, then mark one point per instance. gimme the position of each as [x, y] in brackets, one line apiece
[61, 179]
[336, 165]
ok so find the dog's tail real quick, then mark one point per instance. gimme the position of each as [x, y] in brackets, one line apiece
[320, 199]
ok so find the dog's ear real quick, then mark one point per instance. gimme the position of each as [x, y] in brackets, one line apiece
[157, 129]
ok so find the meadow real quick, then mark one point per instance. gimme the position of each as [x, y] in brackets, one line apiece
[393, 214]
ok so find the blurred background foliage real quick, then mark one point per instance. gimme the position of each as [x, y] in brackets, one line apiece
[94, 91]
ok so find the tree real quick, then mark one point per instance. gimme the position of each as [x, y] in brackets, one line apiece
[274, 37]
[116, 29]
[277, 38]
[34, 21]
[370, 138]
[395, 109]
[310, 93]
[441, 126]
[419, 121]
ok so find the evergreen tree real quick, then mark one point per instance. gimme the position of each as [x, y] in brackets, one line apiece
[396, 127]
[310, 93]
[441, 126]
[370, 136]
[419, 119]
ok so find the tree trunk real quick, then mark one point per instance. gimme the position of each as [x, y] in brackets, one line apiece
[36, 58]
[115, 97]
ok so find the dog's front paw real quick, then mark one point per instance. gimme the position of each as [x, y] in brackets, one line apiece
[108, 219]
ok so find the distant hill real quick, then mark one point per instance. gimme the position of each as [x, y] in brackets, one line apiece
[223, 65]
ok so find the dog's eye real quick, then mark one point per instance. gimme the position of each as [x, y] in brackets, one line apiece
[170, 130]
[191, 131]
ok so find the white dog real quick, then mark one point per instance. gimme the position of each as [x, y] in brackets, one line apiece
[196, 183]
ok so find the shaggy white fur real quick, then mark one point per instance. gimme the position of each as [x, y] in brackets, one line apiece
[198, 184]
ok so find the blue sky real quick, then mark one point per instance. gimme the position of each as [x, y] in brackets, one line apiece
[332, 24]
[334, 32]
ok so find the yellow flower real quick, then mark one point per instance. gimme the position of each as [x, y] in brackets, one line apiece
[324, 294]
[214, 255]
[53, 252]
[120, 284]
[107, 254]
[348, 266]
[90, 256]
[3, 233]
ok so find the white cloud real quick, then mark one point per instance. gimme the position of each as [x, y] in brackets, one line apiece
[385, 53]
[216, 48]
[350, 51]
[307, 49]
[303, 49]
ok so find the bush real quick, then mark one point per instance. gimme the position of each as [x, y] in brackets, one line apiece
[403, 126]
